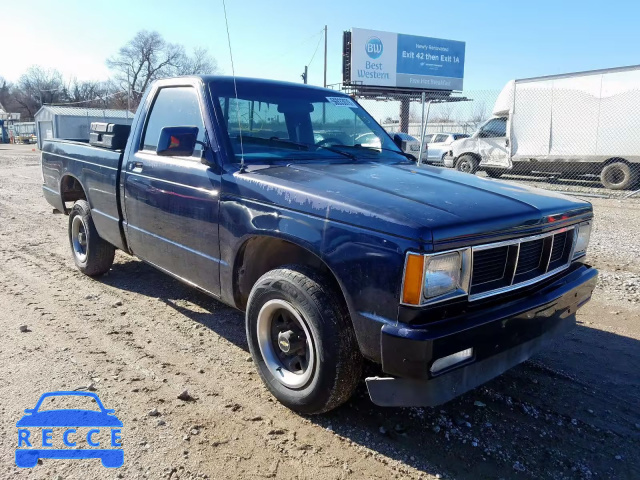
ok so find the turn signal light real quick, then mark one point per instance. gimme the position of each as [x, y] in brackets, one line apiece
[413, 278]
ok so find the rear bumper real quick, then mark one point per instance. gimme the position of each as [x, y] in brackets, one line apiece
[501, 337]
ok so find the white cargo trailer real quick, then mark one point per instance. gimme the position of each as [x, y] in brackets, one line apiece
[578, 124]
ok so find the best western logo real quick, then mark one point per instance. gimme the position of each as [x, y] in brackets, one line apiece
[373, 47]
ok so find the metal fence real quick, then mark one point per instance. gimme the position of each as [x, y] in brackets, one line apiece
[570, 133]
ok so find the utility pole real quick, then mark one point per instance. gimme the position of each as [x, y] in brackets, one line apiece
[325, 56]
[304, 75]
[128, 93]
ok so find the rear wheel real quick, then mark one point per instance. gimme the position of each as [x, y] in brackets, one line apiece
[618, 176]
[92, 255]
[301, 340]
[467, 164]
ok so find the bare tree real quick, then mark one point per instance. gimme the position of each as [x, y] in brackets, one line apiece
[201, 62]
[5, 94]
[148, 56]
[87, 93]
[37, 87]
[443, 113]
[479, 113]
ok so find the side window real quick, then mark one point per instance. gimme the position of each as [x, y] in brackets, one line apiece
[495, 128]
[173, 107]
[440, 138]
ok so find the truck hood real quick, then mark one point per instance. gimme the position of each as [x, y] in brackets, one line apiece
[427, 204]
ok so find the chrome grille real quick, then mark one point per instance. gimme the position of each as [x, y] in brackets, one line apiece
[530, 256]
[559, 246]
[504, 265]
[489, 265]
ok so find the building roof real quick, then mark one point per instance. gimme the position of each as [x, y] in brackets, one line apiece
[85, 112]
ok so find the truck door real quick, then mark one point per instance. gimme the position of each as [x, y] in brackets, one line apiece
[493, 143]
[171, 203]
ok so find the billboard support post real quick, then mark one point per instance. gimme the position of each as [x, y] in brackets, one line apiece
[422, 128]
[405, 106]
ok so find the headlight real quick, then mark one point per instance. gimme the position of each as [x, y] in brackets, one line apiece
[443, 275]
[433, 278]
[583, 233]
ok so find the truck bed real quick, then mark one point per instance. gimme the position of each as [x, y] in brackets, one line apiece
[67, 164]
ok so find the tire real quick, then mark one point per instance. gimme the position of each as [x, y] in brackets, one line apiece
[92, 255]
[324, 370]
[467, 164]
[493, 173]
[618, 176]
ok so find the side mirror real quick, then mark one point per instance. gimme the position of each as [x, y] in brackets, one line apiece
[397, 139]
[177, 141]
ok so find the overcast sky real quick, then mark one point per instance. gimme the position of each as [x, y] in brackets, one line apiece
[275, 39]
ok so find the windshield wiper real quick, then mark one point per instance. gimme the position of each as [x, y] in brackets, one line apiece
[274, 140]
[295, 145]
[375, 149]
[308, 145]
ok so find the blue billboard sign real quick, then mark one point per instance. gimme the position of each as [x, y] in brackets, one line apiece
[409, 61]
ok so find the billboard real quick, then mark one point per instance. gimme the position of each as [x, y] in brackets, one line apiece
[396, 60]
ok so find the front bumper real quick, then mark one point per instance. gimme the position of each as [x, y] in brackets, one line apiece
[448, 161]
[501, 336]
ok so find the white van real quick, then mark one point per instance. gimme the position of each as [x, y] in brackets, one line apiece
[580, 124]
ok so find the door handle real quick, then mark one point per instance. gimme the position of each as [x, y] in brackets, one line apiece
[506, 142]
[135, 166]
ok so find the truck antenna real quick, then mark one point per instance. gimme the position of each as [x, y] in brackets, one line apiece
[235, 88]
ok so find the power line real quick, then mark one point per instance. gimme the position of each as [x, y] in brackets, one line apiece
[316, 50]
[292, 51]
[97, 99]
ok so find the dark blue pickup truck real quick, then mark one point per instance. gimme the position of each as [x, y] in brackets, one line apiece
[258, 193]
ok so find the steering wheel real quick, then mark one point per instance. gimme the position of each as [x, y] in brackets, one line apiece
[331, 140]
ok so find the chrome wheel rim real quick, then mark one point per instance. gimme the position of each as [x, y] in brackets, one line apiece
[79, 238]
[279, 323]
[615, 176]
[465, 166]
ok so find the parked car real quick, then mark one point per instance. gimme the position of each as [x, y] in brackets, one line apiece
[438, 145]
[336, 252]
[406, 142]
[573, 125]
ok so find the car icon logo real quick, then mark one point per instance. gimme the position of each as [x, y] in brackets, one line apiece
[31, 448]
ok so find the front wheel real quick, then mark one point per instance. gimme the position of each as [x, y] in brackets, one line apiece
[92, 255]
[467, 164]
[302, 341]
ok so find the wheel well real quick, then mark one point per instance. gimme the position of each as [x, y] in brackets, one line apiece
[609, 161]
[260, 254]
[471, 154]
[71, 190]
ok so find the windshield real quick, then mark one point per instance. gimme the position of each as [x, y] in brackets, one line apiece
[272, 122]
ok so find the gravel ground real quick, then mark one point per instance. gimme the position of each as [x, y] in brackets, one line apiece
[581, 185]
[140, 338]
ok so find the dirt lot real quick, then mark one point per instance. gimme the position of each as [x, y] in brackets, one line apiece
[140, 338]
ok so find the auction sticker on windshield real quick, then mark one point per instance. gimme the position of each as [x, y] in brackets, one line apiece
[52, 430]
[342, 102]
